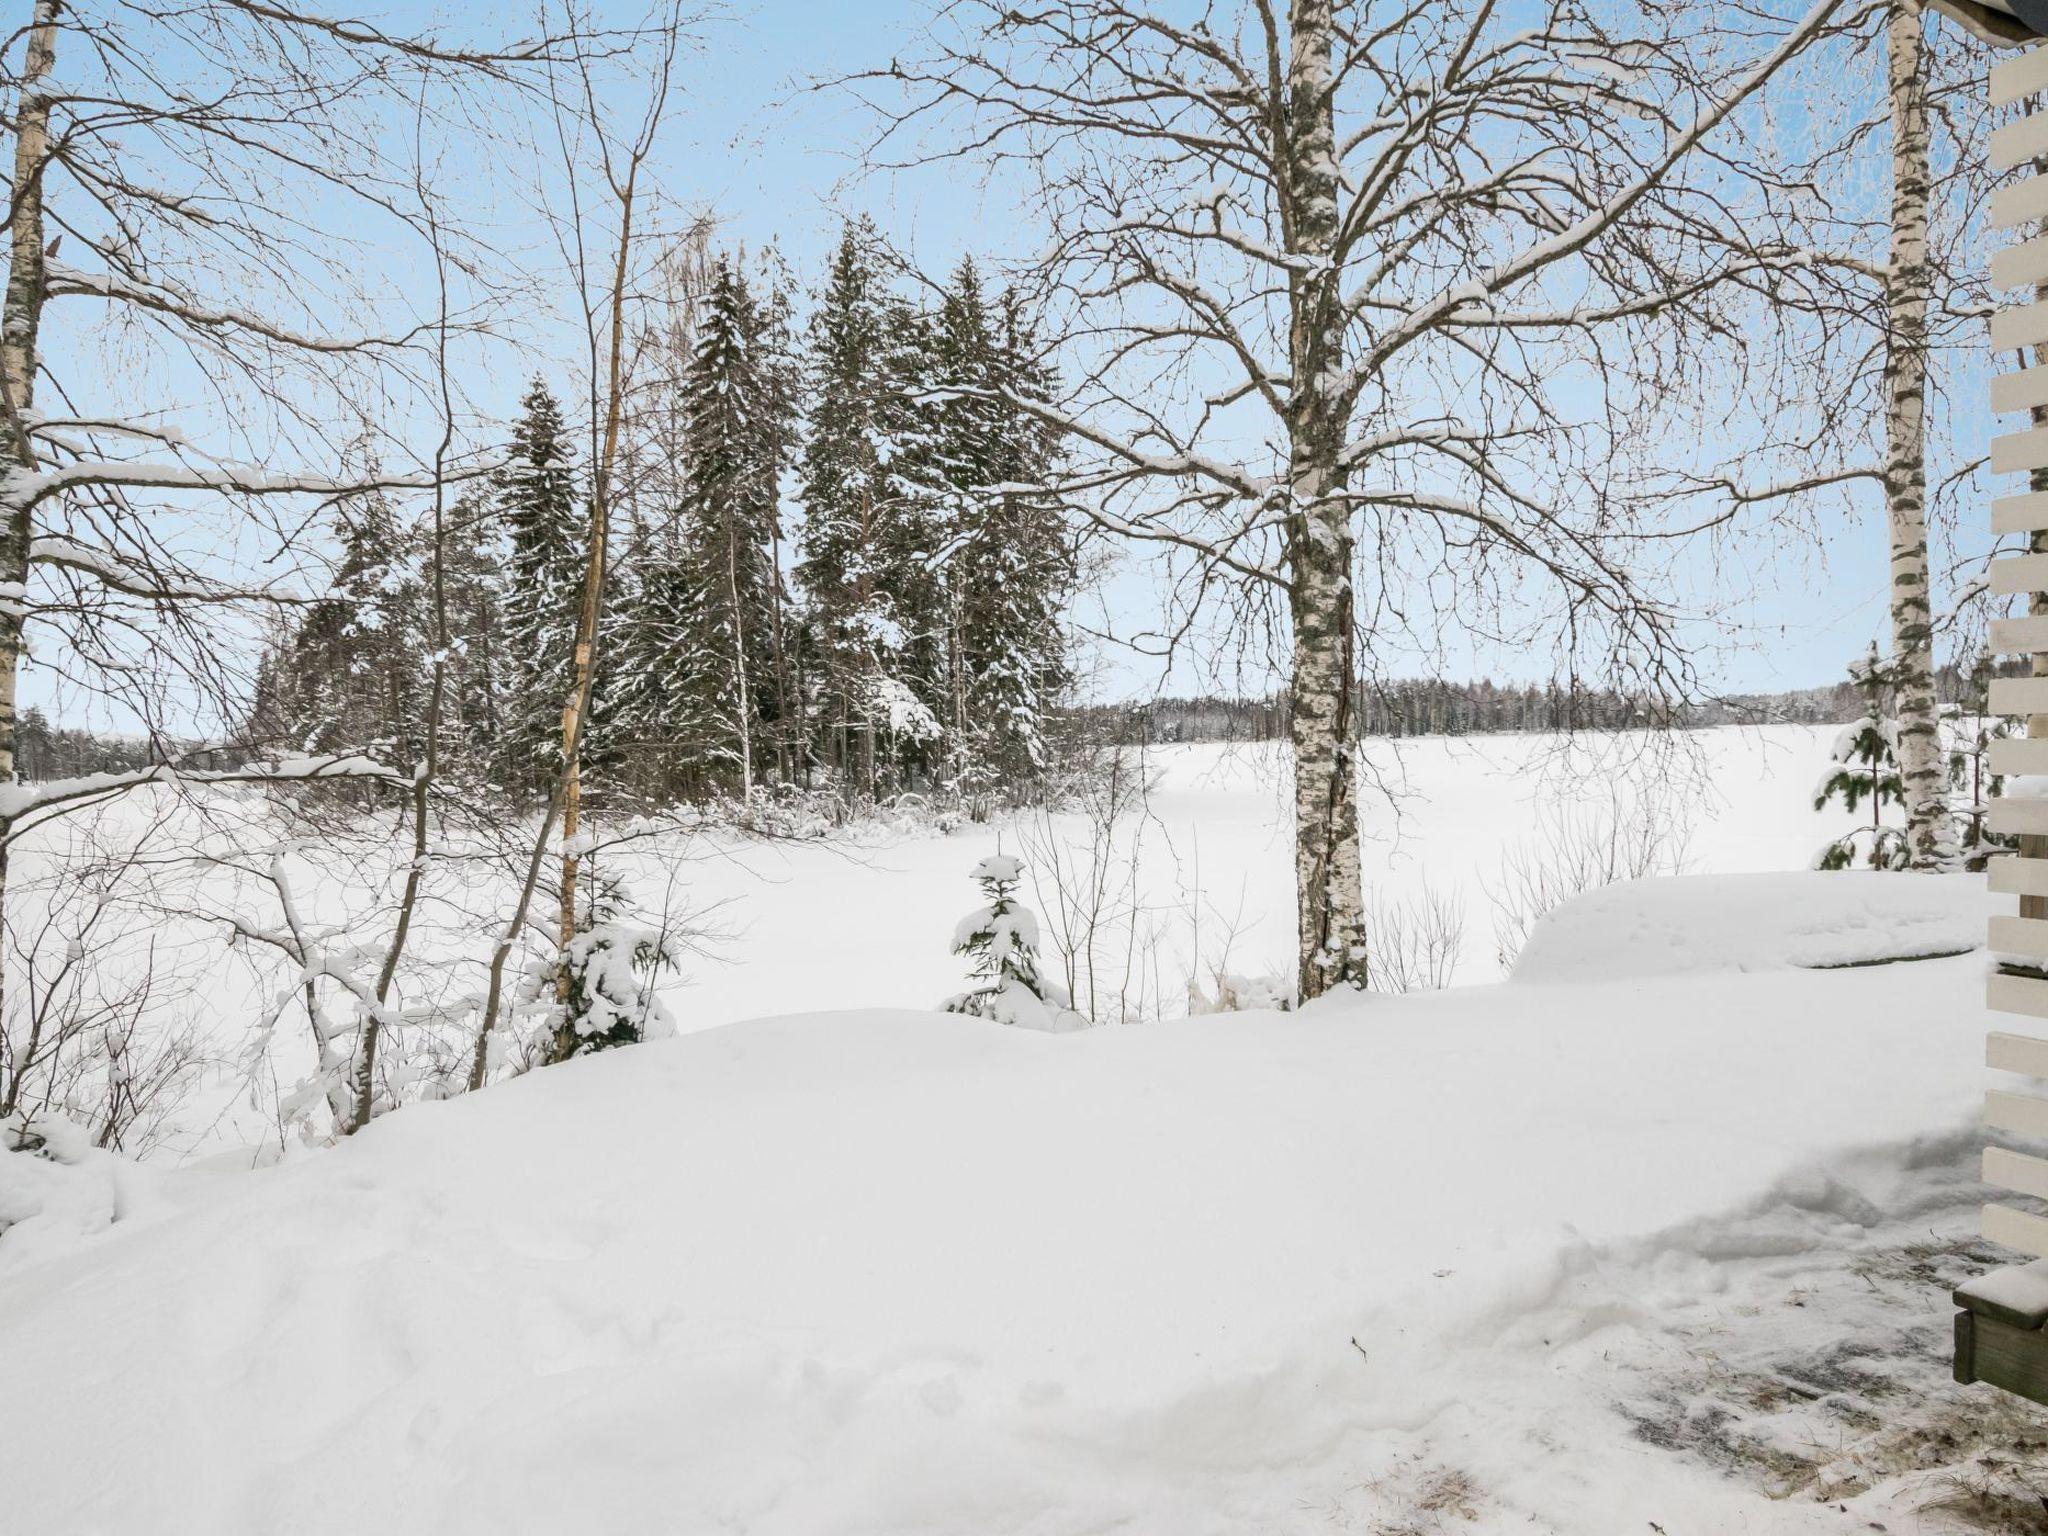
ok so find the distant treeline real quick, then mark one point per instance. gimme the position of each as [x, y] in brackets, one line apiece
[1434, 707]
[1407, 707]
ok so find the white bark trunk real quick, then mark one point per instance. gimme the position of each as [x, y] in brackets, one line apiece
[1930, 836]
[21, 321]
[1329, 894]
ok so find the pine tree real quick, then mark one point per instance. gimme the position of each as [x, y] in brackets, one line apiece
[537, 503]
[1000, 940]
[1864, 767]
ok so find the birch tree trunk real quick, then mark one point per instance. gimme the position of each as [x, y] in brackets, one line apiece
[1930, 838]
[1329, 895]
[576, 708]
[21, 321]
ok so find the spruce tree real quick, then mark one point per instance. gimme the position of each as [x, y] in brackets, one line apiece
[1009, 564]
[349, 677]
[854, 552]
[474, 576]
[1972, 784]
[658, 723]
[538, 505]
[724, 594]
[1864, 768]
[1000, 942]
[1015, 568]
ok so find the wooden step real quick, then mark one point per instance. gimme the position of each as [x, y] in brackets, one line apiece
[2016, 1229]
[2019, 755]
[2012, 874]
[2012, 452]
[2024, 202]
[2020, 1113]
[2016, 78]
[2019, 325]
[2014, 817]
[2018, 142]
[2023, 513]
[2019, 696]
[2023, 389]
[2019, 573]
[2021, 637]
[2017, 994]
[2024, 1054]
[2023, 936]
[2016, 1171]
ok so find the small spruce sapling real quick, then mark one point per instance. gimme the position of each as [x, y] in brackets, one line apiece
[1864, 767]
[612, 968]
[1972, 784]
[1000, 939]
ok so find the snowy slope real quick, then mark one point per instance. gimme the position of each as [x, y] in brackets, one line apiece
[904, 1273]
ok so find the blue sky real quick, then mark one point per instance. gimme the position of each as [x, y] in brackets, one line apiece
[775, 162]
[771, 160]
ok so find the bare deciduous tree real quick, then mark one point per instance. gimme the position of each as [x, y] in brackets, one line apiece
[1341, 281]
[202, 186]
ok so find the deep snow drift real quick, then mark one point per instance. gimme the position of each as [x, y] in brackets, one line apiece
[1792, 921]
[1391, 1259]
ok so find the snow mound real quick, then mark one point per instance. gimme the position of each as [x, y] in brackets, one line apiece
[1806, 920]
[897, 1274]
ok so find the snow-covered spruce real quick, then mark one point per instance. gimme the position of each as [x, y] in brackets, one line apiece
[612, 968]
[1972, 783]
[1863, 766]
[1001, 939]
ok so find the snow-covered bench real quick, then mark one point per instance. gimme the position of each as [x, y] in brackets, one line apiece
[2000, 1335]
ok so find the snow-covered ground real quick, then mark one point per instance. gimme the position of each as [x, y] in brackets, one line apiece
[1653, 1236]
[1446, 1259]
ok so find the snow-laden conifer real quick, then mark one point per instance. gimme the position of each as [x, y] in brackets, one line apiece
[537, 503]
[612, 967]
[1000, 940]
[865, 553]
[1863, 769]
[712, 611]
[1972, 728]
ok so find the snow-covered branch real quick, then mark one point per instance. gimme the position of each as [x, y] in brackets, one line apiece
[24, 806]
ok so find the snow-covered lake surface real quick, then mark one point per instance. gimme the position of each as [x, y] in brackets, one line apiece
[855, 922]
[1653, 1236]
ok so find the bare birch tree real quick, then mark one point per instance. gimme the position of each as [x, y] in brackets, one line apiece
[587, 138]
[1908, 293]
[1341, 281]
[1895, 300]
[217, 197]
